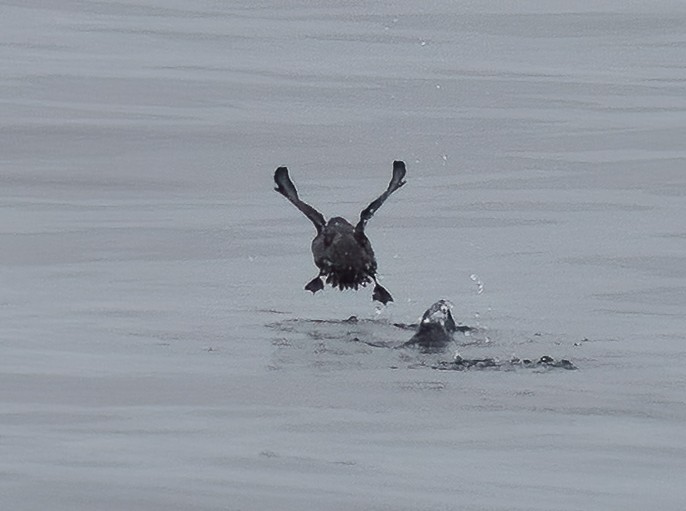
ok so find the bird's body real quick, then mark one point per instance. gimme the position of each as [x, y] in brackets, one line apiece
[436, 328]
[341, 251]
[345, 258]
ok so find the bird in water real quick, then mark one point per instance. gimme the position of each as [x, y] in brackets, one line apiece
[435, 330]
[342, 252]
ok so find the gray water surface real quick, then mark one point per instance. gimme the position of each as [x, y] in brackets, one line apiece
[158, 351]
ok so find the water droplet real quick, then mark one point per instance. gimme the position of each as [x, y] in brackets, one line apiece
[478, 282]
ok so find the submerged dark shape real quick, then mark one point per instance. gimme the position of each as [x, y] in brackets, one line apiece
[435, 333]
[545, 362]
[342, 252]
[436, 328]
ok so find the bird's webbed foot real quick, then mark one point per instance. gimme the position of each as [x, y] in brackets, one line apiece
[315, 285]
[380, 294]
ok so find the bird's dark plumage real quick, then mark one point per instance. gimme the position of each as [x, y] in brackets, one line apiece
[342, 252]
[436, 328]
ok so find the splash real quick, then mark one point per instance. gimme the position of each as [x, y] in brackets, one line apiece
[479, 284]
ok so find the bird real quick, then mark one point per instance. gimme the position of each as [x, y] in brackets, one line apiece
[341, 251]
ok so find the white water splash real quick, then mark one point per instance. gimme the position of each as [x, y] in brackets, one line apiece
[479, 284]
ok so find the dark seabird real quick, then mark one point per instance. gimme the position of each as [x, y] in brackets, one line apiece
[436, 328]
[342, 252]
[435, 333]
